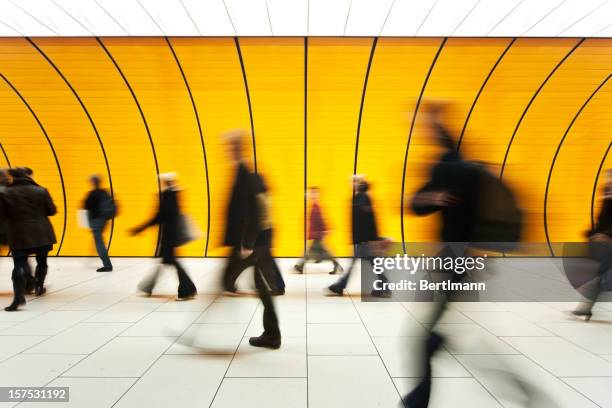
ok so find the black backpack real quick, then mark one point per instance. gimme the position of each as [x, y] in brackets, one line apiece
[108, 207]
[498, 220]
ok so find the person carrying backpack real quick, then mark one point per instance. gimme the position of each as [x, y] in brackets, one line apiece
[100, 208]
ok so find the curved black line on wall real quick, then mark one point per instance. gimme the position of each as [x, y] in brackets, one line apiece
[484, 84]
[93, 125]
[416, 110]
[195, 111]
[535, 95]
[552, 164]
[146, 125]
[305, 140]
[59, 168]
[603, 160]
[8, 162]
[363, 94]
[248, 95]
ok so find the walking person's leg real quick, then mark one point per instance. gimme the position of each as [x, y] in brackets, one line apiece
[271, 336]
[299, 267]
[97, 227]
[326, 255]
[41, 270]
[17, 276]
[339, 286]
[186, 287]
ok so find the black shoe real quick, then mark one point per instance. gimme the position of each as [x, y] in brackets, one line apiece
[335, 290]
[265, 341]
[581, 313]
[15, 305]
[105, 269]
[277, 292]
[299, 268]
[337, 269]
[40, 290]
[190, 296]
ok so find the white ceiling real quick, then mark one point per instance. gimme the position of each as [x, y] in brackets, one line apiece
[507, 18]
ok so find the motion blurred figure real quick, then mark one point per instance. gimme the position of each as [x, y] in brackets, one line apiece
[249, 232]
[26, 206]
[365, 237]
[100, 208]
[168, 218]
[600, 250]
[316, 232]
[450, 192]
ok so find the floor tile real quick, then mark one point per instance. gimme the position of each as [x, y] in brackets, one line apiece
[11, 345]
[177, 381]
[332, 313]
[124, 312]
[452, 392]
[506, 324]
[345, 339]
[83, 338]
[88, 392]
[41, 369]
[209, 338]
[332, 381]
[122, 357]
[561, 357]
[288, 361]
[595, 389]
[402, 357]
[227, 312]
[514, 379]
[262, 393]
[168, 324]
[49, 323]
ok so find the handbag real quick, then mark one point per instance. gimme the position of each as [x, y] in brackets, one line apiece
[186, 230]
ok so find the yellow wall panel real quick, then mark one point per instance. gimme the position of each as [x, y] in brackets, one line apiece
[66, 124]
[336, 75]
[123, 135]
[215, 77]
[456, 78]
[275, 74]
[153, 73]
[25, 145]
[395, 81]
[543, 128]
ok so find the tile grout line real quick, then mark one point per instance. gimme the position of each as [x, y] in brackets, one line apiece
[235, 351]
[163, 353]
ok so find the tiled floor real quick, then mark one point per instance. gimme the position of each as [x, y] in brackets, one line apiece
[93, 333]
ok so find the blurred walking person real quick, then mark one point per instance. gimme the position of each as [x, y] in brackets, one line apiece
[249, 232]
[600, 250]
[365, 238]
[317, 230]
[100, 208]
[27, 207]
[171, 223]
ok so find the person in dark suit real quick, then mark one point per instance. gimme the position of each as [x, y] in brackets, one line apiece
[26, 207]
[249, 232]
[365, 237]
[241, 230]
[100, 208]
[167, 217]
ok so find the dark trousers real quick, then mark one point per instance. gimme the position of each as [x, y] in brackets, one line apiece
[261, 257]
[186, 286]
[22, 273]
[362, 251]
[97, 227]
[270, 320]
